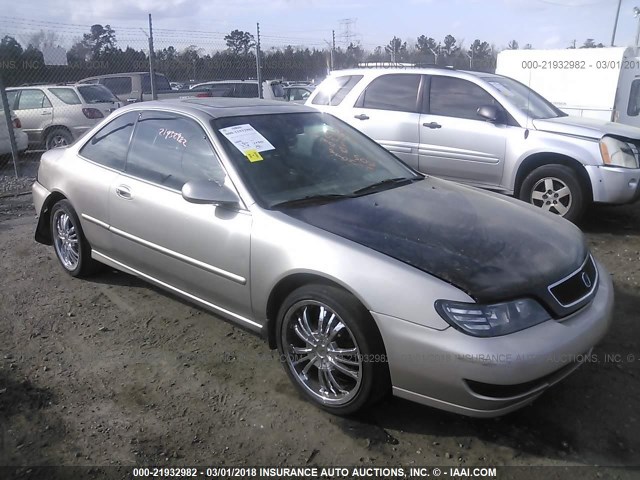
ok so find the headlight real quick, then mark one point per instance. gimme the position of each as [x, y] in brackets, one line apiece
[492, 320]
[617, 153]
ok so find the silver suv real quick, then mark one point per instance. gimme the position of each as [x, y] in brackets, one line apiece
[56, 115]
[488, 131]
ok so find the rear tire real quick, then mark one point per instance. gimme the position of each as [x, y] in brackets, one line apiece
[331, 349]
[71, 246]
[58, 137]
[556, 189]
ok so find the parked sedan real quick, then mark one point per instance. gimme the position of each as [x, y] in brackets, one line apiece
[367, 276]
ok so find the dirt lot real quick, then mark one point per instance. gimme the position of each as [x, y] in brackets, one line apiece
[111, 371]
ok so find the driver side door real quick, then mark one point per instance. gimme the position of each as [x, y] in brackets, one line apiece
[199, 250]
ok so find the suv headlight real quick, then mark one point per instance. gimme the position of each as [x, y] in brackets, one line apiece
[492, 320]
[617, 153]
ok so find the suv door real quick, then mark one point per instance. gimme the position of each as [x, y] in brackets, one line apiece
[455, 142]
[201, 250]
[35, 112]
[388, 112]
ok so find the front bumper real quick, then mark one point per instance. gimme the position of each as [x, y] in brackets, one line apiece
[485, 377]
[615, 185]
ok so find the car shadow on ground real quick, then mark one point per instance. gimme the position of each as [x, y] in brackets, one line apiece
[590, 417]
[615, 220]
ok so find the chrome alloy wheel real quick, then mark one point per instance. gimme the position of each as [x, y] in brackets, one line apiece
[66, 240]
[58, 141]
[552, 194]
[321, 352]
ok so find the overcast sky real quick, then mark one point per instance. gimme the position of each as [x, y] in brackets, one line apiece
[543, 23]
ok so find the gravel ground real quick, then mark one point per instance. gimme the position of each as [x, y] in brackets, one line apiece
[111, 371]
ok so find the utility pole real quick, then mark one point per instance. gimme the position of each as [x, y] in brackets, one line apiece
[615, 25]
[258, 66]
[7, 117]
[152, 70]
[333, 47]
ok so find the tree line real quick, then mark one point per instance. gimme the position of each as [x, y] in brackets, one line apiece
[97, 52]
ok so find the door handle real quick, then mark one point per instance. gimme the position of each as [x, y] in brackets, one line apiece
[432, 125]
[123, 192]
[362, 116]
[45, 113]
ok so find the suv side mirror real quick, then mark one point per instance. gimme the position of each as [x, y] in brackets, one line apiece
[490, 113]
[209, 192]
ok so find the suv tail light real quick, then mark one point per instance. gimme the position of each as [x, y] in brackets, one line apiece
[17, 123]
[92, 113]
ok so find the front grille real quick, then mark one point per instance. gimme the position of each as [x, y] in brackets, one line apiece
[576, 287]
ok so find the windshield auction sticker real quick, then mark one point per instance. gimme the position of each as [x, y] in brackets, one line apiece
[248, 140]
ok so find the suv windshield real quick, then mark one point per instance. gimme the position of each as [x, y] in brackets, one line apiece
[294, 158]
[527, 100]
[96, 94]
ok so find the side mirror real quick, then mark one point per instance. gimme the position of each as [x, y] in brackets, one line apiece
[490, 113]
[209, 192]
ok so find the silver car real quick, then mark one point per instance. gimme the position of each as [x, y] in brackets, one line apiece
[56, 115]
[488, 131]
[367, 276]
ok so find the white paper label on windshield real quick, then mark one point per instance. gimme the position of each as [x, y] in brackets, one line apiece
[246, 138]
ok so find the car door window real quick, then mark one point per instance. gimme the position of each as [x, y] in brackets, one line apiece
[118, 85]
[11, 98]
[31, 99]
[455, 97]
[246, 90]
[67, 95]
[398, 92]
[333, 91]
[109, 146]
[170, 150]
[633, 108]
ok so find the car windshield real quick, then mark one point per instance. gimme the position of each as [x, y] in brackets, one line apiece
[527, 100]
[290, 159]
[96, 94]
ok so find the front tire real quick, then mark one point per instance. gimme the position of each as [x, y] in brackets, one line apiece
[71, 247]
[556, 189]
[331, 349]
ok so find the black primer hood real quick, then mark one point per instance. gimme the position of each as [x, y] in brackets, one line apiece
[491, 246]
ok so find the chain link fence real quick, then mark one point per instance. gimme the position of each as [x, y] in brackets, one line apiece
[61, 79]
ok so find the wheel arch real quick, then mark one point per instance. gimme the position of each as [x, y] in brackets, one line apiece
[287, 285]
[43, 230]
[51, 128]
[536, 160]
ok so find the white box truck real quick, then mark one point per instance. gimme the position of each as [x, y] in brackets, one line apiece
[602, 83]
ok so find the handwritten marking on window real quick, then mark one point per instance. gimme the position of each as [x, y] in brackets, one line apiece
[173, 135]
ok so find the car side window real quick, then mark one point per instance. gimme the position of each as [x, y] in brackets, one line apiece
[246, 90]
[67, 95]
[333, 91]
[118, 85]
[170, 150]
[633, 108]
[11, 98]
[455, 97]
[398, 92]
[31, 99]
[109, 145]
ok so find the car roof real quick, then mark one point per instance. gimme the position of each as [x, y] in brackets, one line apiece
[375, 71]
[218, 107]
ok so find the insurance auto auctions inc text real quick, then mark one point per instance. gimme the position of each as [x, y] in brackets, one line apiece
[376, 472]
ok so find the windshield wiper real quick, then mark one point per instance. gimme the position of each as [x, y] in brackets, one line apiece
[374, 187]
[311, 199]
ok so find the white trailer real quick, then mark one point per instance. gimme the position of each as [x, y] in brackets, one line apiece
[602, 83]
